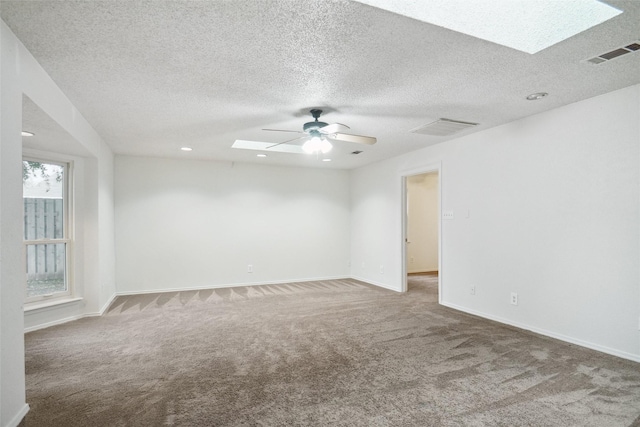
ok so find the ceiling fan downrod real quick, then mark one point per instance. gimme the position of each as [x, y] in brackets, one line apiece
[311, 126]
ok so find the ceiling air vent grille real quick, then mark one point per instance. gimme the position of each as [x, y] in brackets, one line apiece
[443, 127]
[615, 53]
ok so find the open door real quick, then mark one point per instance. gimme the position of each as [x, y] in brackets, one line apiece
[421, 255]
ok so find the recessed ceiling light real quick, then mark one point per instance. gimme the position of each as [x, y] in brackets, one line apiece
[261, 155]
[25, 133]
[187, 149]
[536, 96]
[326, 160]
[526, 26]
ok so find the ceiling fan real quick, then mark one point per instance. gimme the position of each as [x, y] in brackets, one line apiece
[319, 134]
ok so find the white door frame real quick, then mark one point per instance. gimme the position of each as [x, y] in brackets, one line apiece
[433, 167]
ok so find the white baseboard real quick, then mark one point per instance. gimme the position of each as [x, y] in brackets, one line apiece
[71, 318]
[15, 421]
[422, 270]
[561, 337]
[106, 305]
[54, 323]
[227, 285]
[378, 284]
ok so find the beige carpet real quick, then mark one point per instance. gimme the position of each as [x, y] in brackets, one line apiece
[331, 353]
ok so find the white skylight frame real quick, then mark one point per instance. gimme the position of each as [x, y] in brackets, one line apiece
[525, 25]
[264, 146]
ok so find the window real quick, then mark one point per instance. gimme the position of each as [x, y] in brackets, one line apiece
[45, 192]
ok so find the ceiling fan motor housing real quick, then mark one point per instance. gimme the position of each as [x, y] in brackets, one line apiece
[308, 127]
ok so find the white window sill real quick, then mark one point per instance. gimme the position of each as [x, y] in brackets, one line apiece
[39, 305]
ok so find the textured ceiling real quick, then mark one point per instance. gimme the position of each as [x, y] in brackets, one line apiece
[153, 76]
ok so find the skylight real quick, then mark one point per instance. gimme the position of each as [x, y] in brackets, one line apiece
[529, 26]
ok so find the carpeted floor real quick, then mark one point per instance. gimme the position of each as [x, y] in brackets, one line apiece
[330, 353]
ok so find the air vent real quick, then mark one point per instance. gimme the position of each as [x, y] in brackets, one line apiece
[633, 46]
[443, 127]
[615, 53]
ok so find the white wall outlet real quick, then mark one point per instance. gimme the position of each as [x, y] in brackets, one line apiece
[447, 215]
[382, 269]
[249, 268]
[472, 289]
[514, 298]
[411, 260]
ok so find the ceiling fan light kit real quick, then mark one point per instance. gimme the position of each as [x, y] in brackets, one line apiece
[317, 144]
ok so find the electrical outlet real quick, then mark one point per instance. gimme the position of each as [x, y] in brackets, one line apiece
[382, 269]
[411, 260]
[249, 268]
[514, 298]
[472, 290]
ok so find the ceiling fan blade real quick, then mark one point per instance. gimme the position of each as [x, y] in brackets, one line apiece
[333, 128]
[284, 142]
[359, 139]
[282, 130]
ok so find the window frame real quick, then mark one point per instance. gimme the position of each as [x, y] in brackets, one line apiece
[67, 234]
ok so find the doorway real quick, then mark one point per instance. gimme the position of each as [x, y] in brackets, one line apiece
[421, 254]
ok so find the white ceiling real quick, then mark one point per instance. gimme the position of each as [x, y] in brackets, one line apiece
[153, 76]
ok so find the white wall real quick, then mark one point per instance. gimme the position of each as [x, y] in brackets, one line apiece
[554, 216]
[12, 386]
[106, 215]
[184, 224]
[422, 223]
[22, 75]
